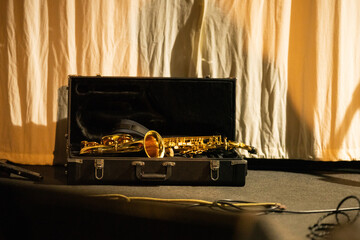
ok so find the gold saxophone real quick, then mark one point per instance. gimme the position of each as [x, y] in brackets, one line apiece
[157, 147]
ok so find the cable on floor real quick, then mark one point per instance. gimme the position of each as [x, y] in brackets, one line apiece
[222, 204]
[322, 229]
[237, 205]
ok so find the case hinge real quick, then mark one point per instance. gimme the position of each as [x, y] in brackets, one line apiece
[214, 169]
[99, 168]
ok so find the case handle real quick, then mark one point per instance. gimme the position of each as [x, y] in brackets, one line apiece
[152, 176]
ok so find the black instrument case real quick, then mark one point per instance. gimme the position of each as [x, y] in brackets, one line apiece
[170, 106]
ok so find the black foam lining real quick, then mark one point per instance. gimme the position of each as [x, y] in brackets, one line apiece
[171, 106]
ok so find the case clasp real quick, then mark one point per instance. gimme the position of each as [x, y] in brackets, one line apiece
[214, 169]
[99, 168]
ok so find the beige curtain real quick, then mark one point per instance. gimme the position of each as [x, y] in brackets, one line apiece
[297, 63]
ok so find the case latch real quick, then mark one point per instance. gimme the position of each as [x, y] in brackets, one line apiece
[214, 169]
[99, 168]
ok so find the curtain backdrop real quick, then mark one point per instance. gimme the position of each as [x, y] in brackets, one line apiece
[297, 63]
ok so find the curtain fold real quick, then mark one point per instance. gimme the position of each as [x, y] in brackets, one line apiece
[297, 63]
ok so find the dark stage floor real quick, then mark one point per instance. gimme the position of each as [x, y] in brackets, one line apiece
[51, 205]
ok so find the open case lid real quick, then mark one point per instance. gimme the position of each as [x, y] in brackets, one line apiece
[170, 106]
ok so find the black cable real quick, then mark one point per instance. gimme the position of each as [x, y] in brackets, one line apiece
[316, 211]
[233, 206]
[321, 230]
[342, 202]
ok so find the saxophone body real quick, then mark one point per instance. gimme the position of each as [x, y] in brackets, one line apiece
[156, 146]
[200, 144]
[190, 146]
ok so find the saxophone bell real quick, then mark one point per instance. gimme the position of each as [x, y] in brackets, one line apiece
[154, 145]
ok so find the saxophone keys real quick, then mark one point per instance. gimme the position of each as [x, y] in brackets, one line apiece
[170, 152]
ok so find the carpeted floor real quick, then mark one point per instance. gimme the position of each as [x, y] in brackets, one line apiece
[297, 186]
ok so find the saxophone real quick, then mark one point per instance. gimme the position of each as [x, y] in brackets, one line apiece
[157, 147]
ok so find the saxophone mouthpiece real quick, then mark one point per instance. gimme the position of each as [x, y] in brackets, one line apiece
[252, 150]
